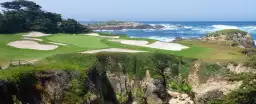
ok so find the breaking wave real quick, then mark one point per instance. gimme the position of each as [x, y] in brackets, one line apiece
[171, 31]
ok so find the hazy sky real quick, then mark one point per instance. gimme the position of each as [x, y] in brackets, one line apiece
[172, 10]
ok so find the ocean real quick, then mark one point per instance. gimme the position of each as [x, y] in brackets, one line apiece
[190, 29]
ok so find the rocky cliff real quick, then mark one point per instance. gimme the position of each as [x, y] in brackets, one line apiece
[233, 37]
[119, 79]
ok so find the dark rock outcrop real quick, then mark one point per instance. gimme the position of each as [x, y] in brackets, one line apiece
[233, 37]
[113, 25]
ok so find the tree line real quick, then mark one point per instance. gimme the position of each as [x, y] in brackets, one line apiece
[23, 16]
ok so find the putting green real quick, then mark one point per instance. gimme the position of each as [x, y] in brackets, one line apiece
[83, 41]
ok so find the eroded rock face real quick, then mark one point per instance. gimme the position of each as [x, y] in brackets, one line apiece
[52, 83]
[233, 37]
[141, 90]
[240, 68]
[214, 88]
[214, 94]
[59, 86]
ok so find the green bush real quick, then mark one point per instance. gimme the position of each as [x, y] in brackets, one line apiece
[251, 61]
[210, 69]
[179, 86]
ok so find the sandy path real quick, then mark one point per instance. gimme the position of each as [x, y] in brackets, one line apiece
[113, 50]
[36, 34]
[26, 44]
[156, 45]
[96, 34]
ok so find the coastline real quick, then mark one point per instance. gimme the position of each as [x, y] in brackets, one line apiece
[190, 29]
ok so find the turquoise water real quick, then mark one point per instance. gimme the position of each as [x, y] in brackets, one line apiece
[189, 29]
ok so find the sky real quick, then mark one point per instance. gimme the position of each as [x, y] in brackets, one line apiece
[152, 10]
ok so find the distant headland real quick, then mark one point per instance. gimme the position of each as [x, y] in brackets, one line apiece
[119, 25]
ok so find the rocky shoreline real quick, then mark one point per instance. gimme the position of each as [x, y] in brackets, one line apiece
[119, 25]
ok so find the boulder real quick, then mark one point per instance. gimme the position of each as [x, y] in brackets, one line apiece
[233, 37]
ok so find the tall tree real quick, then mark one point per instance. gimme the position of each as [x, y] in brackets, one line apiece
[1, 22]
[21, 4]
[23, 16]
[71, 26]
[14, 21]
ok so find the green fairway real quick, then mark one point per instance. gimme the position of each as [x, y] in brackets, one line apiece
[79, 43]
[213, 51]
[75, 44]
[83, 41]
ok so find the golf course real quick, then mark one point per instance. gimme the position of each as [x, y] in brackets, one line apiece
[74, 43]
[47, 58]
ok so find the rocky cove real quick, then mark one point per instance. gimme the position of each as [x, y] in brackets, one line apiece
[119, 79]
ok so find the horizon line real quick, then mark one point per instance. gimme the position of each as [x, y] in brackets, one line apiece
[173, 20]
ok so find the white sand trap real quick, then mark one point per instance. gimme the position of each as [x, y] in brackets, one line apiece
[58, 43]
[132, 42]
[113, 50]
[36, 34]
[26, 44]
[167, 46]
[36, 39]
[157, 45]
[96, 34]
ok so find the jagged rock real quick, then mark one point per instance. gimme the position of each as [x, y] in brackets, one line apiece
[214, 94]
[232, 37]
[123, 85]
[177, 39]
[240, 68]
[52, 83]
[179, 98]
[158, 26]
[173, 94]
[214, 88]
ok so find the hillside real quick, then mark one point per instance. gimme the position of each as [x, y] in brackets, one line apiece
[233, 37]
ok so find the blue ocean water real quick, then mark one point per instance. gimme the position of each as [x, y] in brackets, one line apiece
[188, 29]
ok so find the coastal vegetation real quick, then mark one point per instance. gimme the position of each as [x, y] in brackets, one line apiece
[233, 37]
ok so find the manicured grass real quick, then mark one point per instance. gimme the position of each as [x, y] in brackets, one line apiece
[215, 51]
[75, 44]
[209, 51]
[83, 41]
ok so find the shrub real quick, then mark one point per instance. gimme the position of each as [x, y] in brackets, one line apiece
[251, 61]
[234, 44]
[210, 69]
[179, 86]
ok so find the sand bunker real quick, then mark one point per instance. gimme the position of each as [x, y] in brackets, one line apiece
[113, 50]
[58, 43]
[132, 42]
[157, 45]
[36, 39]
[96, 34]
[167, 46]
[36, 34]
[26, 44]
